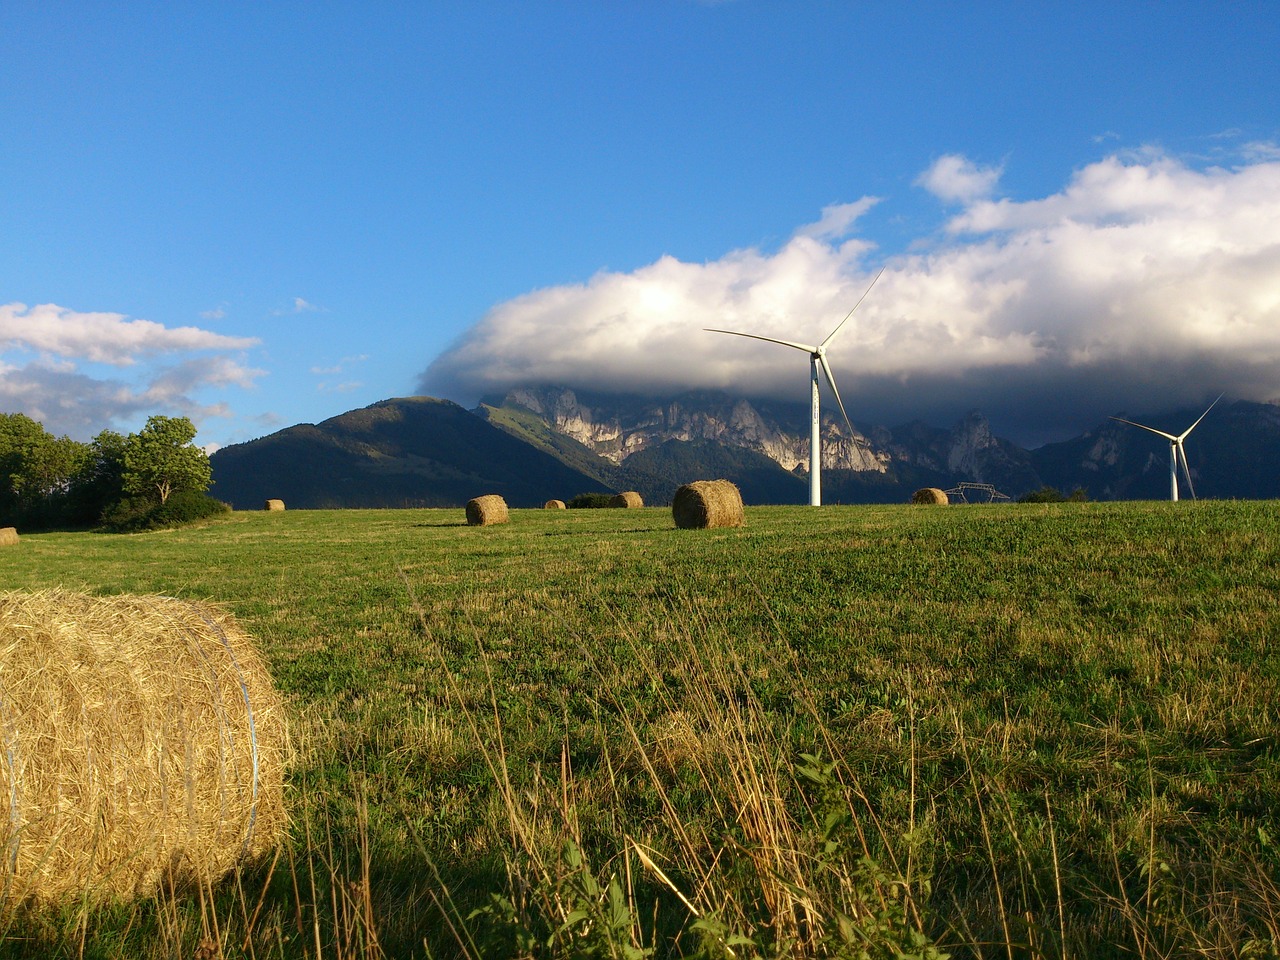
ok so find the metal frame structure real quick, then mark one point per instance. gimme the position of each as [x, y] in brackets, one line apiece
[965, 487]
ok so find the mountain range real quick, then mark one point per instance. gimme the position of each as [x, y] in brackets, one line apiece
[540, 443]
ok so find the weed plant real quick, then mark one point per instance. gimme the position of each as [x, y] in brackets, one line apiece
[1035, 730]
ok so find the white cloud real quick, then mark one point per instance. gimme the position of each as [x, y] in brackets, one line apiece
[298, 305]
[110, 338]
[340, 366]
[50, 356]
[1144, 283]
[183, 379]
[1261, 151]
[347, 386]
[957, 179]
[837, 219]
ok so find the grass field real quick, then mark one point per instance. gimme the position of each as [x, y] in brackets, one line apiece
[995, 731]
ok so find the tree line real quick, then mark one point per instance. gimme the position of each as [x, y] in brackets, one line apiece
[153, 478]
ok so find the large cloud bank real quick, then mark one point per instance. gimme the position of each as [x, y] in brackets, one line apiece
[77, 372]
[1144, 284]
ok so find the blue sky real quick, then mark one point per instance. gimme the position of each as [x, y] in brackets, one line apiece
[257, 215]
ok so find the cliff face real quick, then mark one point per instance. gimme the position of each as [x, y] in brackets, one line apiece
[617, 427]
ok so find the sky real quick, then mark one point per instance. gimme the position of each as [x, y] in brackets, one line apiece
[256, 215]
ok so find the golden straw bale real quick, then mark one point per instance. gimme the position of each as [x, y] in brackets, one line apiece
[8, 536]
[486, 510]
[630, 499]
[929, 495]
[707, 503]
[273, 505]
[554, 505]
[143, 741]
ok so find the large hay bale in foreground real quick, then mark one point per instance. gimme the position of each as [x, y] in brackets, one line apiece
[486, 510]
[8, 536]
[273, 505]
[630, 500]
[141, 740]
[707, 503]
[554, 505]
[929, 495]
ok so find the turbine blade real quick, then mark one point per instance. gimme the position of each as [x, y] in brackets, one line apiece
[826, 369]
[1186, 468]
[1183, 436]
[831, 336]
[755, 336]
[1168, 436]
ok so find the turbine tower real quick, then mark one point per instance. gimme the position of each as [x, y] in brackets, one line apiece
[1176, 451]
[817, 362]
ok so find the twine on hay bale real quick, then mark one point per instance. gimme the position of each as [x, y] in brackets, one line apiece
[486, 510]
[8, 536]
[554, 505]
[141, 740]
[273, 505]
[630, 500]
[929, 495]
[707, 503]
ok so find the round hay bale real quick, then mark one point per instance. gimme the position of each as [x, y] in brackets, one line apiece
[707, 503]
[141, 741]
[273, 505]
[554, 505]
[8, 536]
[929, 495]
[486, 510]
[630, 500]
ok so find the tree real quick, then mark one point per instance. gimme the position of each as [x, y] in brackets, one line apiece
[19, 434]
[100, 482]
[37, 470]
[161, 459]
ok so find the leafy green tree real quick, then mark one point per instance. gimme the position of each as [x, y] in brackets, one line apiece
[37, 470]
[100, 482]
[19, 435]
[52, 466]
[161, 459]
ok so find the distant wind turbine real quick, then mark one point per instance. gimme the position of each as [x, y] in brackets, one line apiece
[817, 360]
[1176, 451]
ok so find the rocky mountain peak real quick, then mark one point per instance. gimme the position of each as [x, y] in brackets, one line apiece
[618, 427]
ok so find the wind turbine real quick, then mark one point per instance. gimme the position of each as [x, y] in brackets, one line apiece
[1176, 451]
[817, 361]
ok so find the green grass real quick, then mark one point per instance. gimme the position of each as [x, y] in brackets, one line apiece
[1015, 730]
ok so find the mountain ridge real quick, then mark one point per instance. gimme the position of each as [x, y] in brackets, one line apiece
[540, 443]
[402, 452]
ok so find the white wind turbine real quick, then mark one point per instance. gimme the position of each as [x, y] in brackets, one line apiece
[817, 360]
[1176, 451]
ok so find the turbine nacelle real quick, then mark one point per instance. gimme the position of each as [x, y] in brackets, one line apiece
[1177, 453]
[817, 362]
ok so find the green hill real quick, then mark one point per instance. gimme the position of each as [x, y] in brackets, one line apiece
[406, 452]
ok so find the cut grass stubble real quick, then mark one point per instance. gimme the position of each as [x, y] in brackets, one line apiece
[1000, 730]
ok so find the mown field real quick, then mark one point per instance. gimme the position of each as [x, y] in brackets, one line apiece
[988, 731]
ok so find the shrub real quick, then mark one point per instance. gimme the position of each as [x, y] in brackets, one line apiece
[126, 515]
[183, 507]
[1054, 495]
[591, 500]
